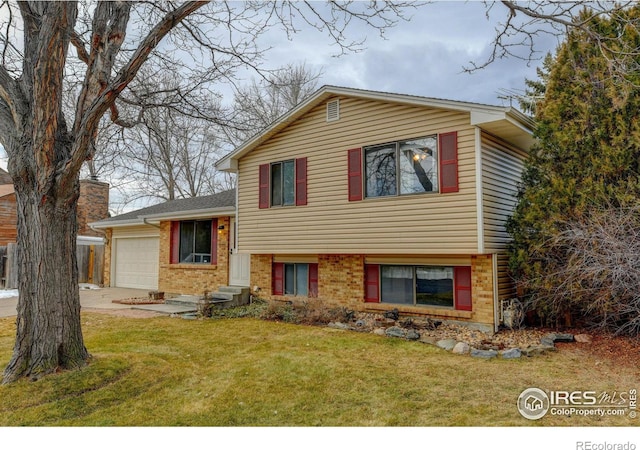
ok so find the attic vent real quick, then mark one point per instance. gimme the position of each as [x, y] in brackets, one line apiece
[333, 110]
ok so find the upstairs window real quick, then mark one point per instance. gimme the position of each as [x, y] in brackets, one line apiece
[283, 183]
[283, 186]
[400, 168]
[414, 166]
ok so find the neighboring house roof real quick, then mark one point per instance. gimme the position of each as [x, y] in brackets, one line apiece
[6, 189]
[506, 122]
[5, 178]
[221, 204]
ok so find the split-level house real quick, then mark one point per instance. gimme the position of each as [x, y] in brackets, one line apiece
[377, 201]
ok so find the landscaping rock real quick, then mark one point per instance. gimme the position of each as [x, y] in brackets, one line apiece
[582, 338]
[429, 339]
[486, 354]
[548, 340]
[394, 314]
[338, 325]
[413, 335]
[461, 348]
[564, 337]
[447, 344]
[512, 353]
[551, 338]
[395, 332]
[379, 331]
[360, 323]
[536, 350]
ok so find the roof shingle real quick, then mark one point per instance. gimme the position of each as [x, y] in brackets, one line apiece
[225, 199]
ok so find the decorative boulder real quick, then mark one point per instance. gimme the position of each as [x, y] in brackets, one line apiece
[461, 348]
[447, 344]
[583, 338]
[512, 353]
[395, 332]
[486, 354]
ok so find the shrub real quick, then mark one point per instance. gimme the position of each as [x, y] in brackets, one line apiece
[592, 268]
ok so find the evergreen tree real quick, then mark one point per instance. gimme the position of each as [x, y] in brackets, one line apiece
[586, 157]
[535, 89]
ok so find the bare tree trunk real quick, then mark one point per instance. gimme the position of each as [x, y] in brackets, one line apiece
[49, 336]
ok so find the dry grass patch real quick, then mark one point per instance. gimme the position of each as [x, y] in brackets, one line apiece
[247, 372]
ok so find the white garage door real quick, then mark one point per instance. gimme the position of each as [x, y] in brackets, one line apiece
[136, 262]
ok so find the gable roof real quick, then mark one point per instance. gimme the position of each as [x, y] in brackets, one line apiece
[215, 205]
[506, 122]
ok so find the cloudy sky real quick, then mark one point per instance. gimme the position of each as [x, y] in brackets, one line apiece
[424, 56]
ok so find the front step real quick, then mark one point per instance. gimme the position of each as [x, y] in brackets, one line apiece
[183, 300]
[235, 295]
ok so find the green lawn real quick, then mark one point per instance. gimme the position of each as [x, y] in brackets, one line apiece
[246, 372]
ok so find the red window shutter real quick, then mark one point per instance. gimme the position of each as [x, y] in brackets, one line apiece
[313, 280]
[301, 181]
[462, 288]
[355, 174]
[263, 182]
[174, 257]
[278, 278]
[448, 143]
[372, 283]
[214, 242]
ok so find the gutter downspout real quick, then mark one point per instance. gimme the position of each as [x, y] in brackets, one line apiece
[479, 191]
[144, 220]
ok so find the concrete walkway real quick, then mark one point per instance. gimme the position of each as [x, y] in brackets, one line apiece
[89, 299]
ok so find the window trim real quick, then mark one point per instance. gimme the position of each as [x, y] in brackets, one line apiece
[373, 287]
[176, 239]
[278, 279]
[398, 172]
[299, 184]
[282, 183]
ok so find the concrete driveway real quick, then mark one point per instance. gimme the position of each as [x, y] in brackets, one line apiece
[89, 299]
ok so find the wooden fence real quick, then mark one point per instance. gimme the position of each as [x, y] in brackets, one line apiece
[90, 265]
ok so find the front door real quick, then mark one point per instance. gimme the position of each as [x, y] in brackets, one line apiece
[239, 263]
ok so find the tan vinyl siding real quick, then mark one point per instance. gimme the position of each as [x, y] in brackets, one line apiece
[417, 224]
[502, 167]
[506, 286]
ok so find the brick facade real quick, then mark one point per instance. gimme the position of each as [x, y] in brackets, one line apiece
[93, 205]
[261, 267]
[108, 235]
[482, 289]
[341, 281]
[193, 279]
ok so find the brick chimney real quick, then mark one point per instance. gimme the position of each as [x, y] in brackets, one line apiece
[93, 205]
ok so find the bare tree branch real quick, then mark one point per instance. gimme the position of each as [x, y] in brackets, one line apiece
[89, 116]
[77, 42]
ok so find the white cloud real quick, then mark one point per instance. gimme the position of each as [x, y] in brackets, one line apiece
[424, 56]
